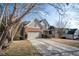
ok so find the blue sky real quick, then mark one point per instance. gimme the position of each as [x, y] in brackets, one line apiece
[52, 16]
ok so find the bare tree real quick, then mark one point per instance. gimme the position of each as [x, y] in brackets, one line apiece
[12, 20]
[61, 23]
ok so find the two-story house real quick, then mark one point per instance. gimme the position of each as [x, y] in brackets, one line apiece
[36, 28]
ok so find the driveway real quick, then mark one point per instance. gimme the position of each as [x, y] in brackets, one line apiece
[48, 47]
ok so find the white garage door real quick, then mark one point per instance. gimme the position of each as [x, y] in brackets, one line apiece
[33, 35]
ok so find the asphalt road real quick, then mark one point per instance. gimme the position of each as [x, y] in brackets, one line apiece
[48, 47]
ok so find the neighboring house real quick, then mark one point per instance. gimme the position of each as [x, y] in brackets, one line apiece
[62, 31]
[72, 34]
[33, 29]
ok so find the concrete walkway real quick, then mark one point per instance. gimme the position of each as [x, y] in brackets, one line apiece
[49, 47]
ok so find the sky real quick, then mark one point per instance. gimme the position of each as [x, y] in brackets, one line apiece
[49, 13]
[51, 16]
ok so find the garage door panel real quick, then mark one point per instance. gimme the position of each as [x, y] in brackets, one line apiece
[33, 35]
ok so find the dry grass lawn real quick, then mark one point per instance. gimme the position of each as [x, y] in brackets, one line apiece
[68, 42]
[21, 48]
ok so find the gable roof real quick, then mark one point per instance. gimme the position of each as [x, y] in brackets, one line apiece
[34, 21]
[44, 21]
[71, 31]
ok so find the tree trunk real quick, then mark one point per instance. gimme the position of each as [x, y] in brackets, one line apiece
[12, 24]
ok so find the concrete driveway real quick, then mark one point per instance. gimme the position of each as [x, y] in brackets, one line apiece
[48, 47]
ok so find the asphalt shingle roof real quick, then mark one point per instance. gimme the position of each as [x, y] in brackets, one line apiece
[72, 31]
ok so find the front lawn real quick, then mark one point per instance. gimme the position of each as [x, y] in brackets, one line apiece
[21, 48]
[70, 42]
